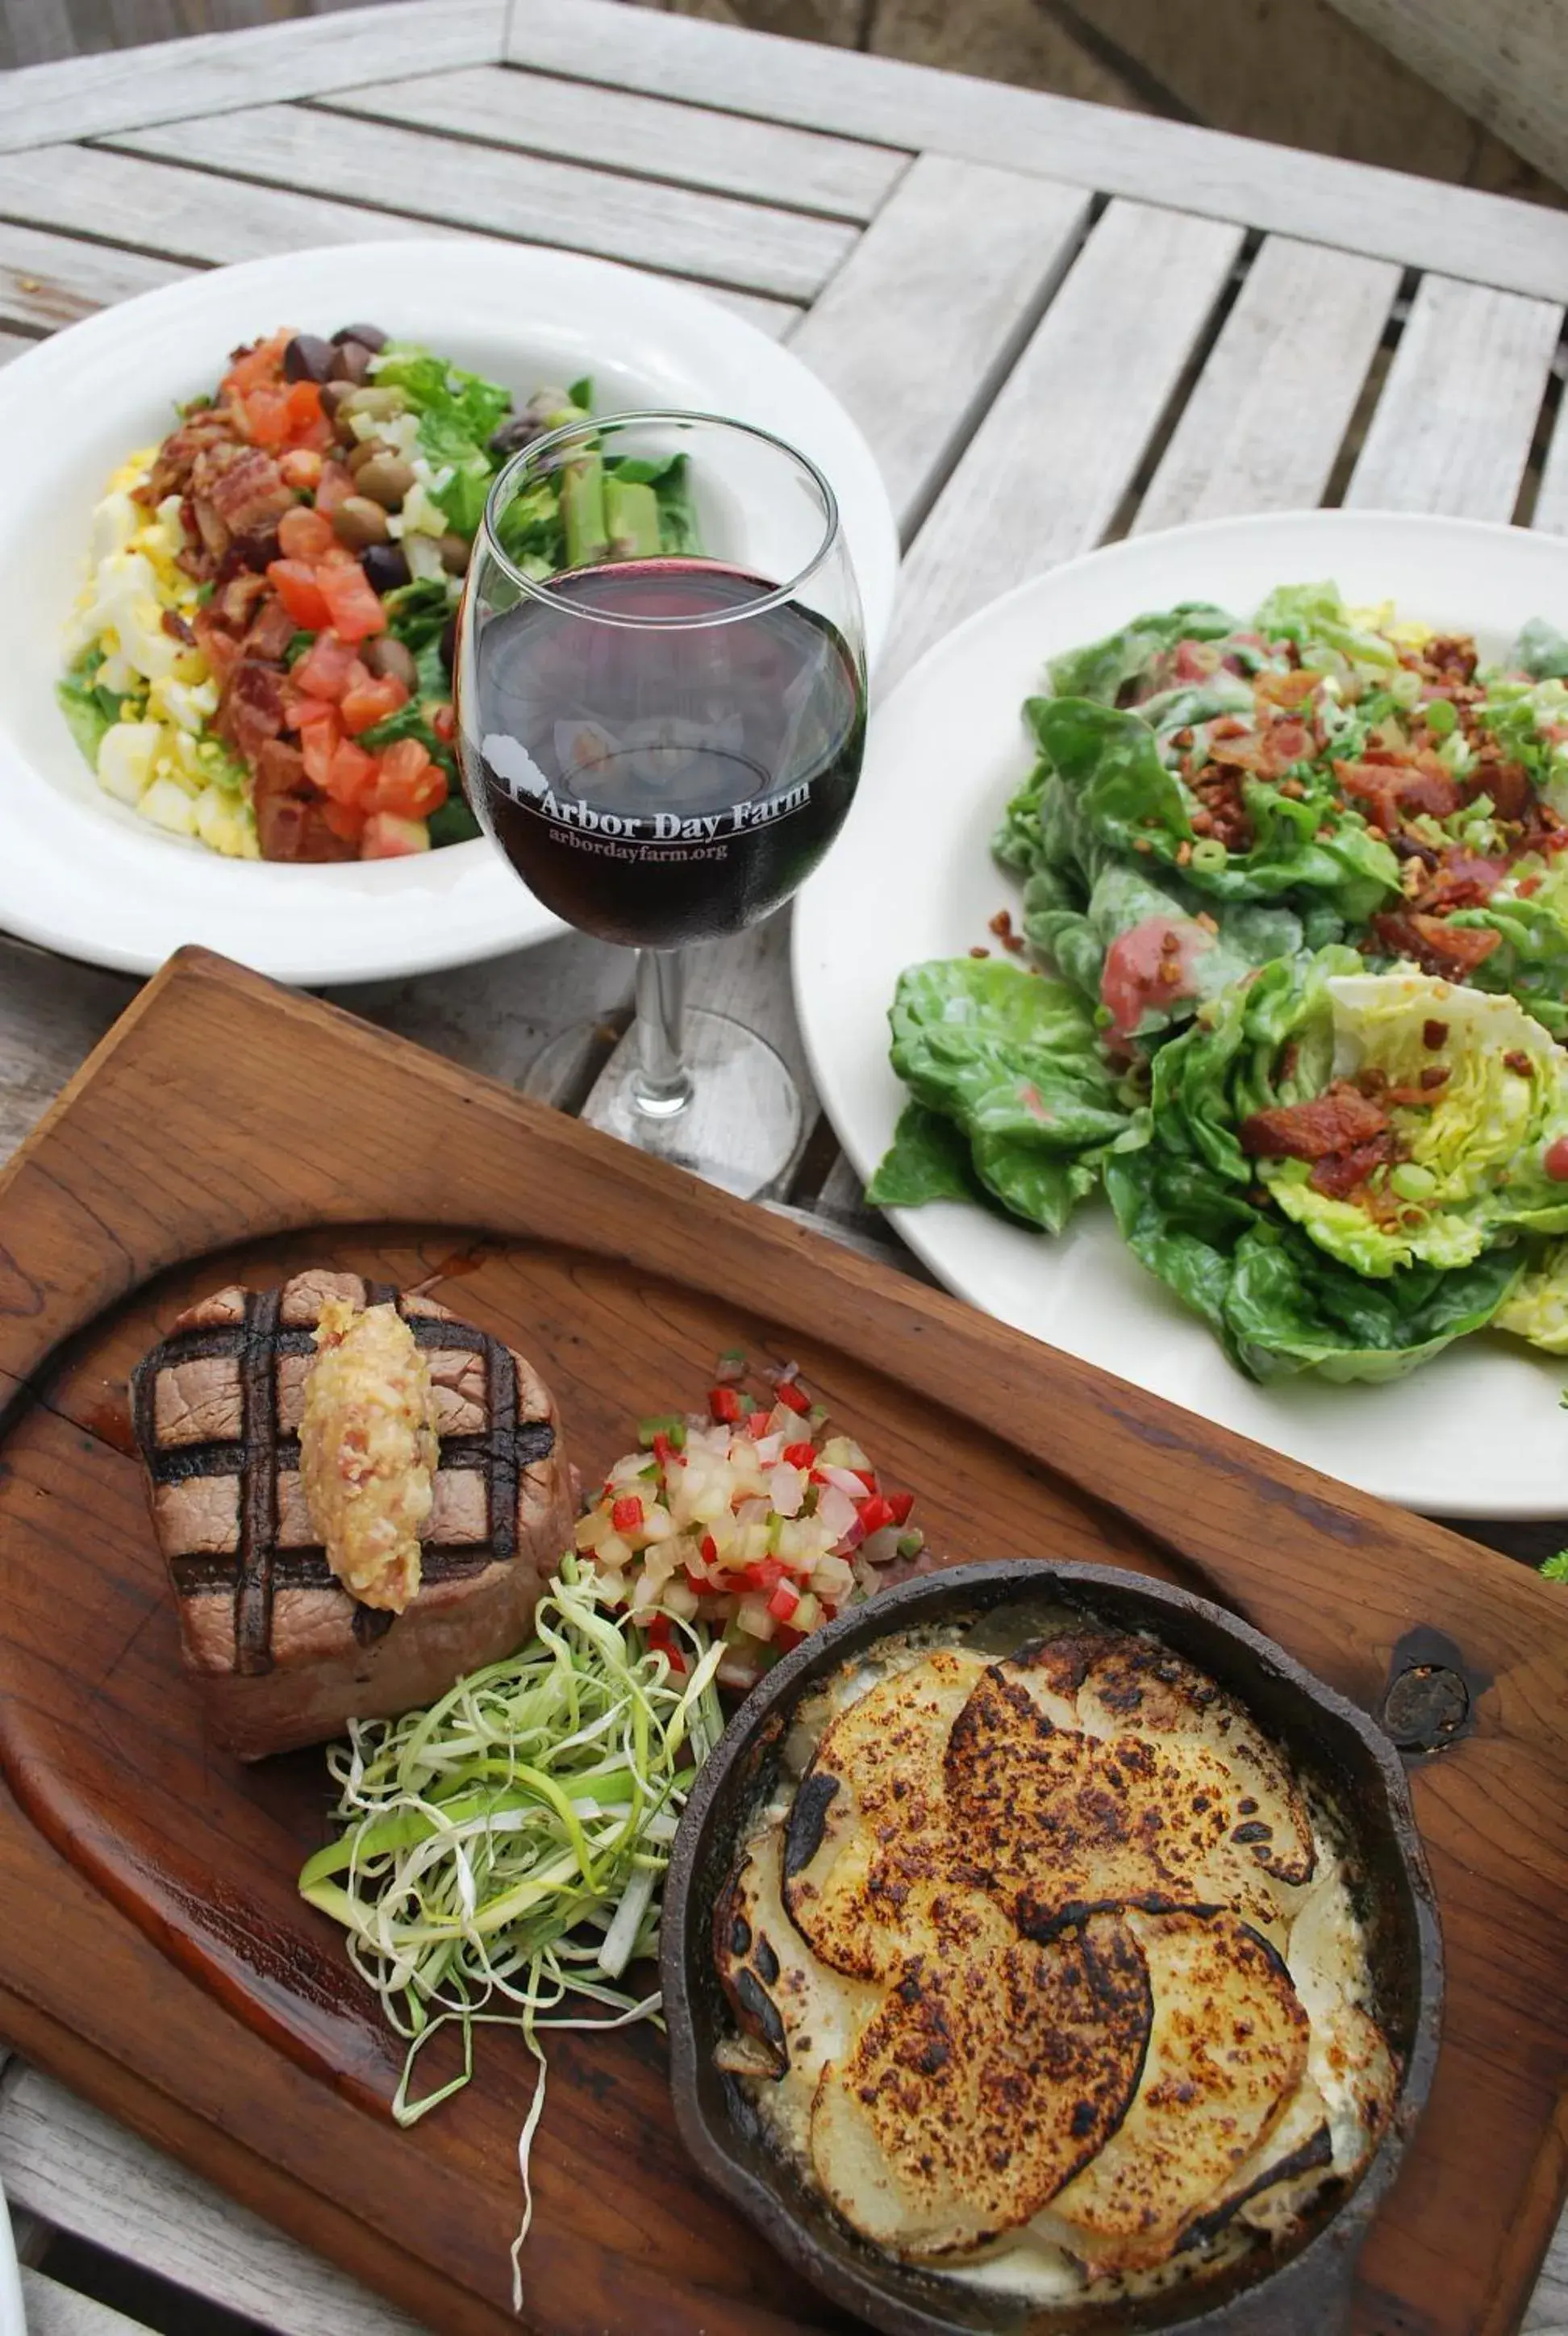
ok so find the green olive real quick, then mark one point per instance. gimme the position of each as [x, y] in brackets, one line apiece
[385, 479]
[358, 523]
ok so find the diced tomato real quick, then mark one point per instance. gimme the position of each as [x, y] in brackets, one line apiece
[660, 1634]
[1555, 1159]
[265, 413]
[800, 1456]
[351, 774]
[709, 1550]
[443, 722]
[789, 1394]
[356, 612]
[387, 837]
[345, 820]
[782, 1602]
[305, 413]
[301, 467]
[335, 486]
[370, 701]
[901, 1504]
[725, 1406]
[765, 1575]
[626, 1514]
[876, 1513]
[410, 784]
[756, 1422]
[296, 586]
[319, 740]
[261, 365]
[303, 534]
[327, 668]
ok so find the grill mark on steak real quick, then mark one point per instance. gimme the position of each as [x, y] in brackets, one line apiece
[258, 1488]
[252, 1573]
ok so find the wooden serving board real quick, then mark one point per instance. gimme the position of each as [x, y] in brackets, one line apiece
[152, 1951]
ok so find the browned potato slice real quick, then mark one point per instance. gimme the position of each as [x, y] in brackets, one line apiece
[1059, 1822]
[1227, 2051]
[1108, 1684]
[867, 1851]
[985, 2080]
[782, 1996]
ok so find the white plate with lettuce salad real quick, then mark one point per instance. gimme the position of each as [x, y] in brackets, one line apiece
[1222, 932]
[86, 872]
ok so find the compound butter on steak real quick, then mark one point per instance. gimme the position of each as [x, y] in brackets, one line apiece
[358, 1498]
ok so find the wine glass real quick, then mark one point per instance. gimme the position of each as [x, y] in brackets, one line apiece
[661, 689]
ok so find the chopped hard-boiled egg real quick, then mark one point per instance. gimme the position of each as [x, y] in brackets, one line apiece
[126, 759]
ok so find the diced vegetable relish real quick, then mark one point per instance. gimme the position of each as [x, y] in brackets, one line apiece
[751, 1518]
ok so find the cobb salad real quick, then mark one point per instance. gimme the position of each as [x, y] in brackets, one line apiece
[261, 659]
[1287, 982]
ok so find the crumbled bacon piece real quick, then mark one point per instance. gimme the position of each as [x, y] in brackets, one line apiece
[291, 819]
[250, 712]
[1397, 791]
[1338, 1121]
[1433, 1034]
[1518, 1061]
[1338, 1177]
[1435, 1074]
[1446, 951]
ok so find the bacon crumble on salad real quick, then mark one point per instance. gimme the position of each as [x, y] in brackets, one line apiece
[749, 1518]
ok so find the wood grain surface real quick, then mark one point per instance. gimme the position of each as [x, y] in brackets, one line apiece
[153, 1952]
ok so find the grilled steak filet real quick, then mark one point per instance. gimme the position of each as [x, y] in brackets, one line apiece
[281, 1652]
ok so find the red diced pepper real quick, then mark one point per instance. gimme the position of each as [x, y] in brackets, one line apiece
[867, 1478]
[725, 1406]
[782, 1602]
[756, 1422]
[662, 1450]
[875, 1513]
[709, 1550]
[800, 1456]
[784, 1638]
[901, 1504]
[625, 1516]
[765, 1574]
[789, 1394]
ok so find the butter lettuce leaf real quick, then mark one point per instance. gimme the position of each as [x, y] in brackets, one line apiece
[928, 1160]
[1329, 635]
[1102, 669]
[1541, 651]
[1537, 1307]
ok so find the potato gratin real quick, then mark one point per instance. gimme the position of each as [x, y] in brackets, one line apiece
[1047, 1972]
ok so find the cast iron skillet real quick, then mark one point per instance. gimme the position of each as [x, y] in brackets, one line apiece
[1303, 2292]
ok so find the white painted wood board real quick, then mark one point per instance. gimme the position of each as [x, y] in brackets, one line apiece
[408, 174]
[1453, 428]
[1265, 423]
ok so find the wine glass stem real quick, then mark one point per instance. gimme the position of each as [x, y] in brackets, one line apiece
[662, 1087]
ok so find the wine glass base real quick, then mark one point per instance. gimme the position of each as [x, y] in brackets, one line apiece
[742, 1127]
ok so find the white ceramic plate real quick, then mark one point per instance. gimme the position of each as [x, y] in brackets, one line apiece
[12, 2320]
[83, 874]
[1479, 1432]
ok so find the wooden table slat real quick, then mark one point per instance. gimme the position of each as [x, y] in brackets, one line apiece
[1265, 423]
[913, 337]
[619, 129]
[79, 96]
[1453, 429]
[94, 2177]
[412, 174]
[55, 2311]
[1042, 477]
[50, 280]
[1390, 214]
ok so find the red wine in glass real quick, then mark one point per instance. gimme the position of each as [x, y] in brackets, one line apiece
[666, 780]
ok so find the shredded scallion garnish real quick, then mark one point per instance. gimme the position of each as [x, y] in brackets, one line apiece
[505, 1850]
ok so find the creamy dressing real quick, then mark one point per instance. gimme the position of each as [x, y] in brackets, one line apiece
[1348, 2084]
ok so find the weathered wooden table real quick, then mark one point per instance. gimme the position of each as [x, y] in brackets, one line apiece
[1057, 325]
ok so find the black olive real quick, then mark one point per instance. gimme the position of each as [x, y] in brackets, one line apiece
[350, 362]
[448, 645]
[369, 336]
[385, 569]
[307, 359]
